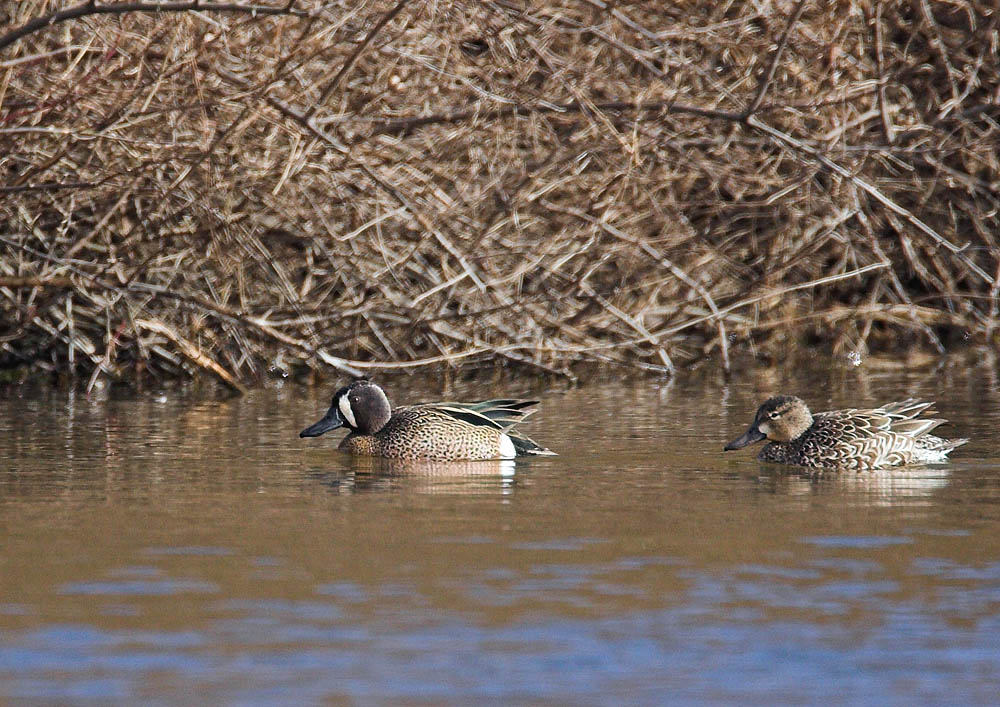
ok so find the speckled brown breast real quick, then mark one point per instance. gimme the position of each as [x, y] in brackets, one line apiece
[424, 433]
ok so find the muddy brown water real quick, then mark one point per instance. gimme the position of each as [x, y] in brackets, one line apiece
[163, 549]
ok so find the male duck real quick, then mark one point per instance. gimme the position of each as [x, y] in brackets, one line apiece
[433, 431]
[887, 436]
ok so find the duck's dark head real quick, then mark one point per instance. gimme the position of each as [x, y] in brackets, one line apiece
[780, 419]
[361, 407]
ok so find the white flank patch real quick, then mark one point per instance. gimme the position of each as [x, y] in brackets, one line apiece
[507, 450]
[345, 409]
[930, 455]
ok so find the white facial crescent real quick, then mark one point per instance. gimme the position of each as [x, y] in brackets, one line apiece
[345, 409]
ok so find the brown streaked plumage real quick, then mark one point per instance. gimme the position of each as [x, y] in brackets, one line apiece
[432, 431]
[891, 435]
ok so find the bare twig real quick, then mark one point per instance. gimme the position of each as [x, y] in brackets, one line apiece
[192, 352]
[404, 125]
[353, 58]
[93, 8]
[887, 126]
[768, 77]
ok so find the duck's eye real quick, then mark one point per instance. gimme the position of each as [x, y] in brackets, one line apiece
[774, 414]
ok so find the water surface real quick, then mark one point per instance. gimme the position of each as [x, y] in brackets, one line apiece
[169, 548]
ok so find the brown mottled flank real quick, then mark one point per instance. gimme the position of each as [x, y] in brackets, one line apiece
[423, 432]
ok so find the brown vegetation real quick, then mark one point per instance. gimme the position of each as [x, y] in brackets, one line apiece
[377, 185]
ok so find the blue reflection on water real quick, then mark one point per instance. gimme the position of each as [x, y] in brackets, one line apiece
[855, 541]
[635, 657]
[197, 551]
[727, 637]
[140, 587]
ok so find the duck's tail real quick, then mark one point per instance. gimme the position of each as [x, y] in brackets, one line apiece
[526, 447]
[940, 444]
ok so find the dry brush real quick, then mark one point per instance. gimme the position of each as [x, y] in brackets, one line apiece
[234, 189]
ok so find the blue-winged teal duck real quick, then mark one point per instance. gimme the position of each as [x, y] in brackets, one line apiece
[890, 435]
[434, 431]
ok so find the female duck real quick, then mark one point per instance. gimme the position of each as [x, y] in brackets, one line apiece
[433, 431]
[846, 439]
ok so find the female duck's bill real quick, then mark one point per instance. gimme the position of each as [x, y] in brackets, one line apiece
[751, 436]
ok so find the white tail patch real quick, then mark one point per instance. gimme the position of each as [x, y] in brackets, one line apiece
[541, 453]
[507, 450]
[345, 409]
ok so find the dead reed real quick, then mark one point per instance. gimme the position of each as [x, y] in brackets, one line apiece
[379, 185]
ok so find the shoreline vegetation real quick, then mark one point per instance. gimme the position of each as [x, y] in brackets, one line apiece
[233, 190]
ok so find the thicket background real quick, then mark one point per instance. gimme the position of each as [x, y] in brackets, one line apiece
[369, 185]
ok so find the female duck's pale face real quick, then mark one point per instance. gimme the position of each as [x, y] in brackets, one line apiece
[780, 419]
[787, 421]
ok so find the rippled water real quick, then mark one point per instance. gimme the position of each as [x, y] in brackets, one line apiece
[163, 548]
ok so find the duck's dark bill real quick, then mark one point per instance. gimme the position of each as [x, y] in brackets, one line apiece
[749, 437]
[331, 421]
